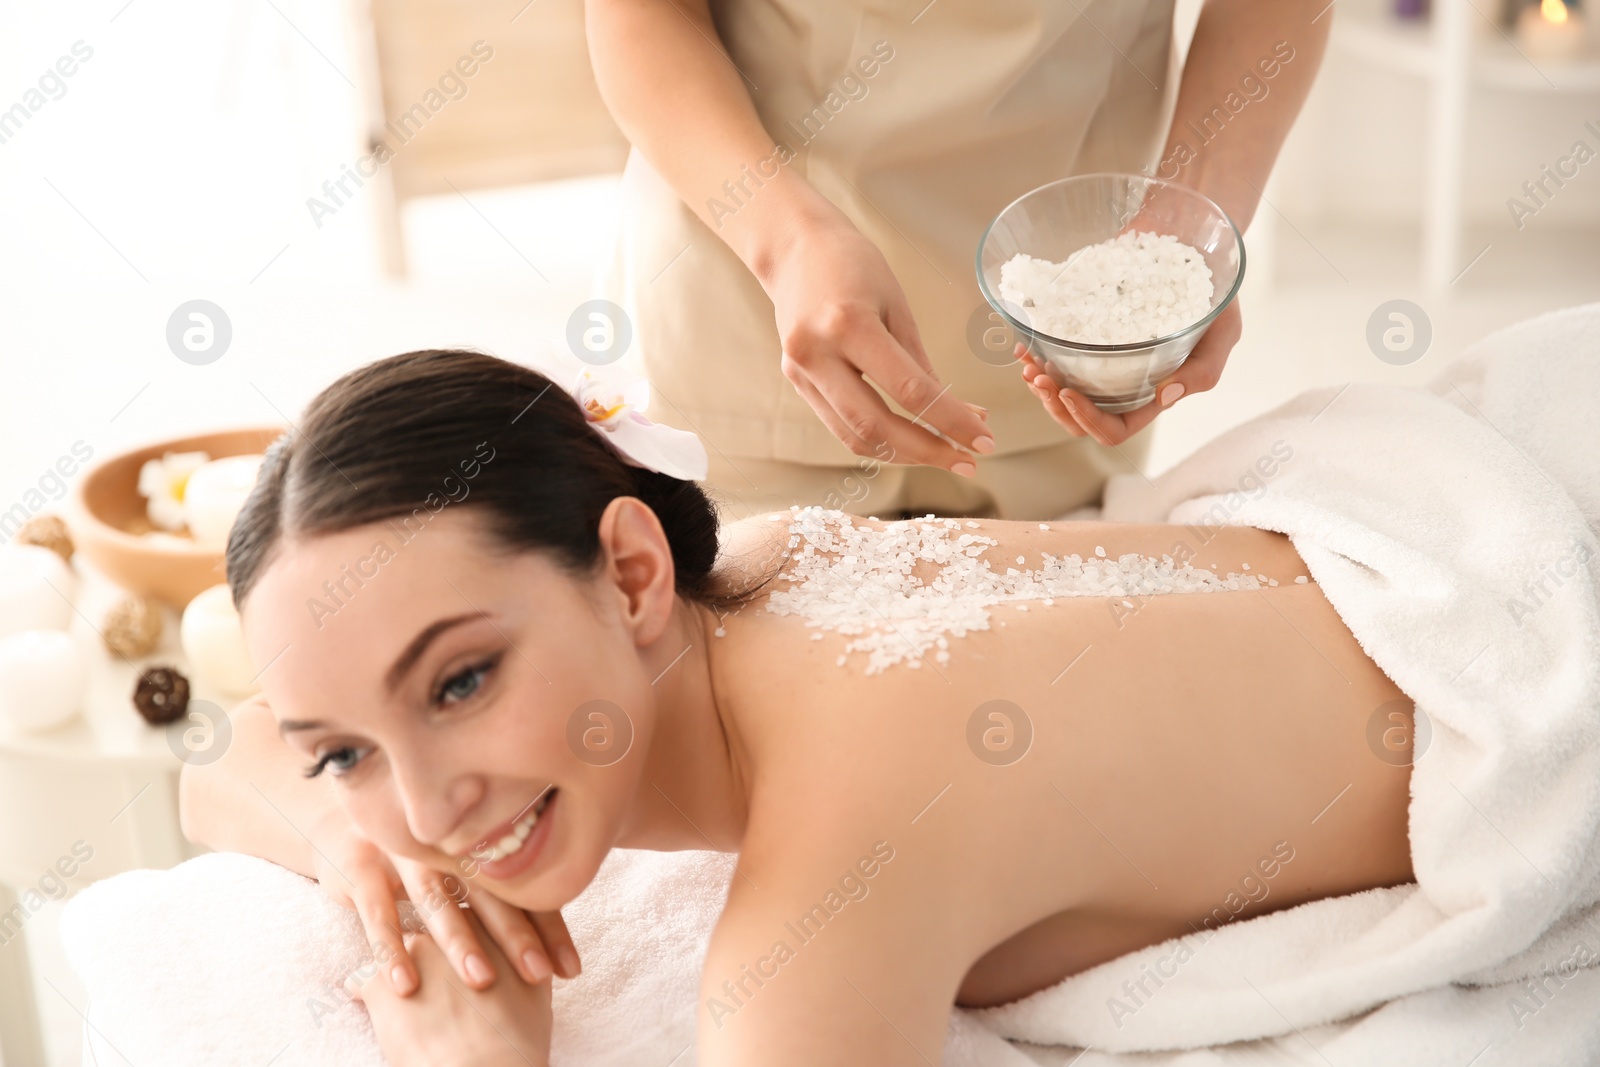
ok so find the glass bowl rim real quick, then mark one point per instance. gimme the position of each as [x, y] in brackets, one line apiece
[1133, 347]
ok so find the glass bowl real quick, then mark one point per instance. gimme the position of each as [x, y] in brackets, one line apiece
[1056, 220]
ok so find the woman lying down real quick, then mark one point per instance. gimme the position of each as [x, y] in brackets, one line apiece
[959, 759]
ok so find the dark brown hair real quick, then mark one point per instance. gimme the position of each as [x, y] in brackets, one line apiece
[402, 436]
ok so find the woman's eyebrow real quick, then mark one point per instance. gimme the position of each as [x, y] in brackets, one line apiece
[289, 725]
[419, 644]
[403, 663]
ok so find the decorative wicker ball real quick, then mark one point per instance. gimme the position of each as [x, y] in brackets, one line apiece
[161, 695]
[49, 532]
[132, 627]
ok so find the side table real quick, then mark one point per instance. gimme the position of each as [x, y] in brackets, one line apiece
[90, 798]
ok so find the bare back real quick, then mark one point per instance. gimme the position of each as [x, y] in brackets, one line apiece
[1083, 778]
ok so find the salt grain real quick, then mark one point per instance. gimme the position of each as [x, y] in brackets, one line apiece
[1134, 287]
[861, 583]
[1300, 580]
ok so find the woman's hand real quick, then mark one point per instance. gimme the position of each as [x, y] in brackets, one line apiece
[445, 1024]
[841, 314]
[1078, 414]
[361, 876]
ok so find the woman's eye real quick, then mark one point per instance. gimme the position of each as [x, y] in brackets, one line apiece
[342, 760]
[461, 686]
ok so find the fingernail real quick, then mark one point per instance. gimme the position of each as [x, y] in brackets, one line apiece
[984, 444]
[477, 969]
[401, 979]
[569, 961]
[1066, 400]
[1171, 393]
[982, 411]
[537, 966]
[965, 469]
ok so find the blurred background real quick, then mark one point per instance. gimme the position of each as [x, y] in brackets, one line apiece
[220, 152]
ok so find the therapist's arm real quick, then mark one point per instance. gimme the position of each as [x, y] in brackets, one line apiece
[840, 313]
[1260, 56]
[1247, 73]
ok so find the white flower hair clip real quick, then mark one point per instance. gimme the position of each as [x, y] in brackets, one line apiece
[616, 406]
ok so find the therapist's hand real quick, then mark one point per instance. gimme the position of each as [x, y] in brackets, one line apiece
[1078, 414]
[841, 314]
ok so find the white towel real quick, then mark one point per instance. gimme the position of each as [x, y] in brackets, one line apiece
[231, 960]
[1419, 511]
[1423, 514]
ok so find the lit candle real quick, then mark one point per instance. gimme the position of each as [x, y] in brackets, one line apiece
[214, 642]
[214, 494]
[43, 674]
[1550, 30]
[36, 589]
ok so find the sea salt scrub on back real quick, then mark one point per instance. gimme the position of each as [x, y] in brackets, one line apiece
[1135, 287]
[862, 582]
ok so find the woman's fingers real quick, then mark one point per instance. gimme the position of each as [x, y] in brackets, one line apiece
[879, 444]
[1200, 372]
[827, 368]
[867, 419]
[512, 931]
[380, 997]
[903, 328]
[374, 900]
[1107, 428]
[437, 897]
[553, 930]
[1048, 392]
[1203, 369]
[887, 360]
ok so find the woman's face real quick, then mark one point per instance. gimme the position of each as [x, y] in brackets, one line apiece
[440, 683]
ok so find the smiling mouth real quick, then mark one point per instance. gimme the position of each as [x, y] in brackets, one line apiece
[510, 843]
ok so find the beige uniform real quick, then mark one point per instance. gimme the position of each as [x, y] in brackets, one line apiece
[920, 127]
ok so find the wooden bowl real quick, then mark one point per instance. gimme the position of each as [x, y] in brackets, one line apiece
[109, 516]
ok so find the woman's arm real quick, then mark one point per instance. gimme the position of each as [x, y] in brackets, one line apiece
[839, 310]
[254, 799]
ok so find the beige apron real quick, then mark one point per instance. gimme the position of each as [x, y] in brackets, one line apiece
[966, 108]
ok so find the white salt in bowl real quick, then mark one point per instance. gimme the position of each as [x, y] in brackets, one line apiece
[1054, 221]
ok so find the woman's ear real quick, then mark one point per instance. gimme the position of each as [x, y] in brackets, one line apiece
[639, 565]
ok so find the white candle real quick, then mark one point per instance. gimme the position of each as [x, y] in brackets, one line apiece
[36, 589]
[214, 494]
[214, 644]
[43, 674]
